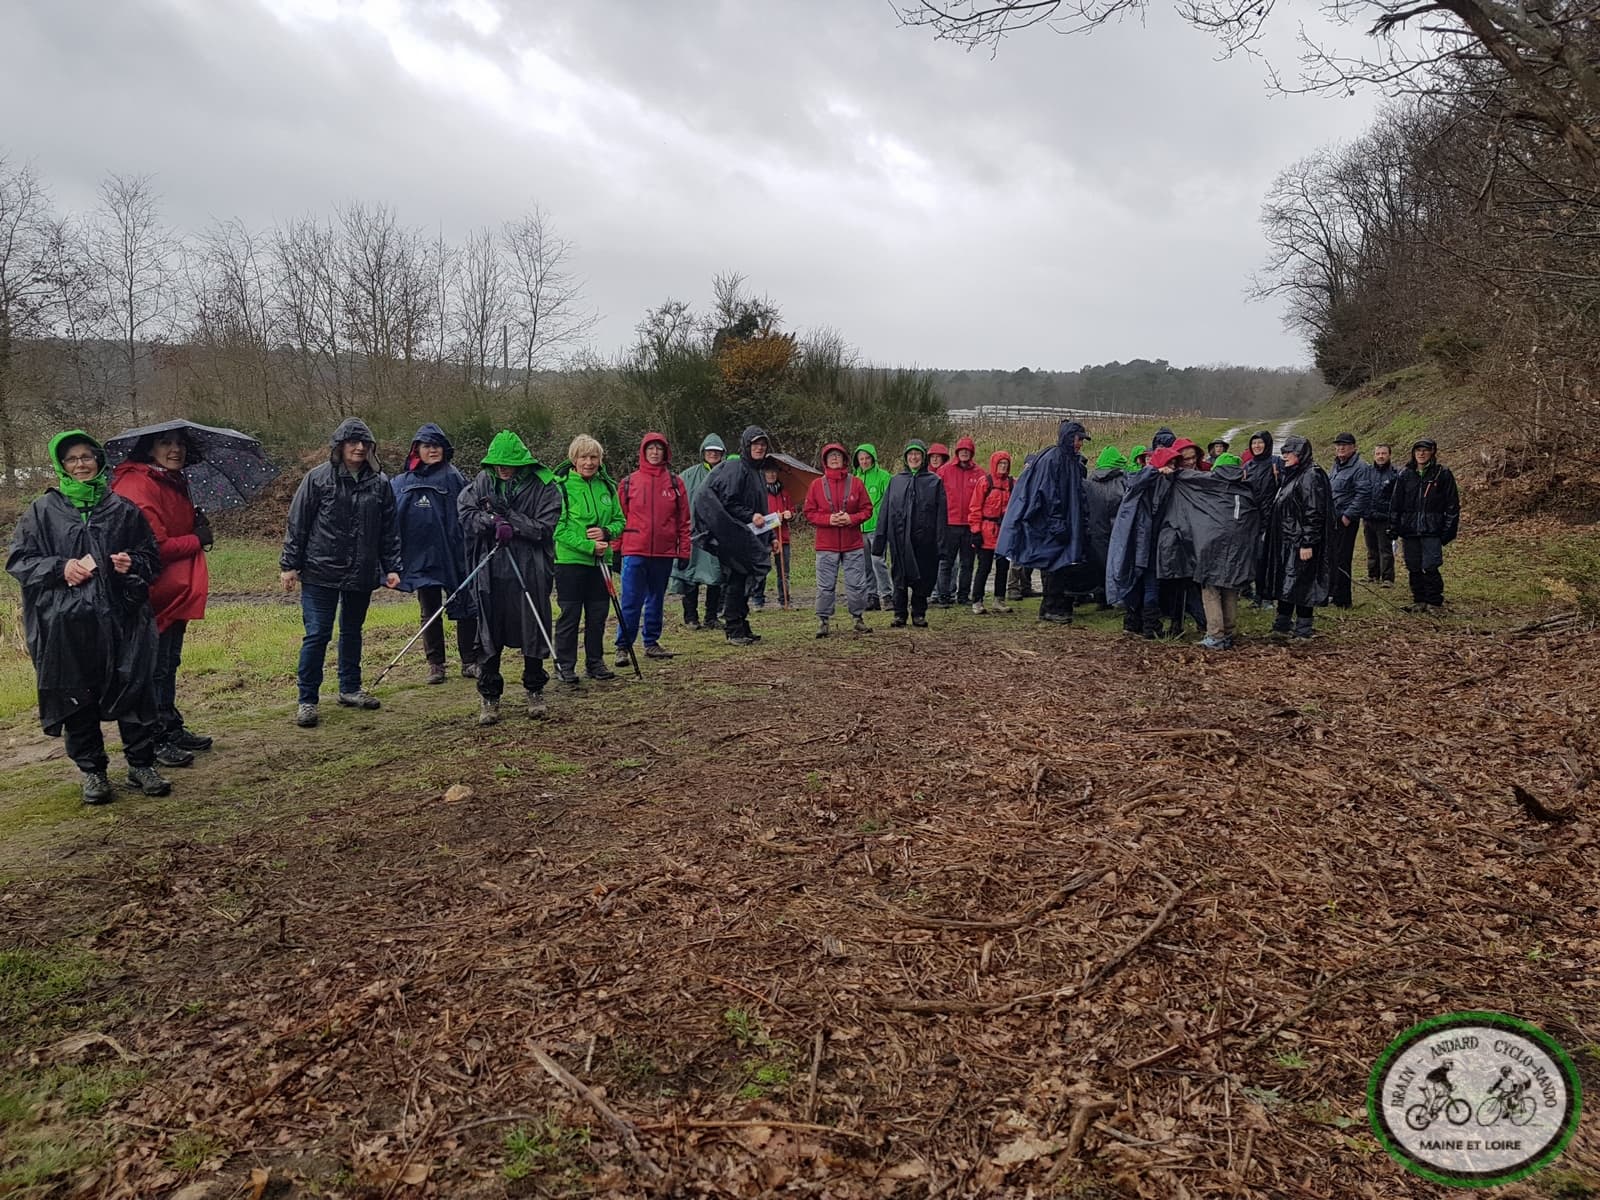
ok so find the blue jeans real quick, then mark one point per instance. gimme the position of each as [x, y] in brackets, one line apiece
[644, 586]
[317, 607]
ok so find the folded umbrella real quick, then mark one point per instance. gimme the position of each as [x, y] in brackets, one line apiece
[226, 468]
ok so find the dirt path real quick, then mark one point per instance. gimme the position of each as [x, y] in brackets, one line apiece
[871, 921]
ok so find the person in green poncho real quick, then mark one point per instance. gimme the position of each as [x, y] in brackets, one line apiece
[880, 583]
[85, 558]
[703, 570]
[513, 504]
[591, 519]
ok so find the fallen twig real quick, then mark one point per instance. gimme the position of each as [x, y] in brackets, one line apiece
[627, 1132]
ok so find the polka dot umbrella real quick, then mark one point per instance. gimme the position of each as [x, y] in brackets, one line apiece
[227, 469]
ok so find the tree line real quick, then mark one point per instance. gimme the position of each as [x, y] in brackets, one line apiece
[1141, 386]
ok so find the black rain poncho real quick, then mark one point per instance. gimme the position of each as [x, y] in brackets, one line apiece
[532, 506]
[1044, 525]
[912, 521]
[726, 505]
[1302, 516]
[1209, 529]
[94, 643]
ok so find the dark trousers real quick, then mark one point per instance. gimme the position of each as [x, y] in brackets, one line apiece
[581, 592]
[1424, 557]
[428, 599]
[960, 546]
[644, 590]
[987, 559]
[1344, 553]
[1056, 601]
[1141, 610]
[1180, 597]
[318, 606]
[911, 597]
[785, 580]
[86, 745]
[1380, 553]
[735, 599]
[492, 684]
[1304, 615]
[169, 656]
[691, 603]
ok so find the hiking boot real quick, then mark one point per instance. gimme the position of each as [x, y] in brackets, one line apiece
[1303, 628]
[658, 651]
[359, 699]
[1388, 583]
[305, 715]
[469, 670]
[622, 658]
[148, 780]
[898, 623]
[886, 602]
[691, 622]
[822, 628]
[599, 672]
[874, 604]
[168, 755]
[1056, 618]
[861, 626]
[738, 637]
[436, 673]
[978, 610]
[1000, 606]
[538, 710]
[184, 739]
[919, 622]
[1214, 642]
[566, 675]
[1229, 641]
[96, 788]
[1013, 592]
[712, 624]
[488, 711]
[963, 601]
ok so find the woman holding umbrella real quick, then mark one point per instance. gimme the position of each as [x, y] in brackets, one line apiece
[85, 559]
[152, 477]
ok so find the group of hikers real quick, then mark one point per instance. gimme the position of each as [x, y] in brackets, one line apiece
[113, 564]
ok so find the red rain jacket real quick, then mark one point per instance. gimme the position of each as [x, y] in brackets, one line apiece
[960, 482]
[655, 508]
[837, 491]
[1182, 443]
[989, 500]
[179, 592]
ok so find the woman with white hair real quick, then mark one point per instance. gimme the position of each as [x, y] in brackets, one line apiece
[591, 520]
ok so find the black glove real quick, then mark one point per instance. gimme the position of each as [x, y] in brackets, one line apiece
[202, 529]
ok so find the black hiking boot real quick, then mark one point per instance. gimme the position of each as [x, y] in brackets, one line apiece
[712, 624]
[360, 698]
[899, 622]
[919, 622]
[148, 780]
[861, 626]
[436, 673]
[1303, 628]
[168, 755]
[658, 651]
[567, 675]
[186, 739]
[740, 635]
[599, 672]
[96, 788]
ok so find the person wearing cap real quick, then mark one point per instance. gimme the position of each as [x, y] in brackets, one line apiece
[910, 531]
[511, 510]
[1380, 545]
[959, 553]
[1299, 534]
[1046, 523]
[1216, 448]
[1351, 481]
[85, 558]
[703, 569]
[342, 542]
[1426, 516]
[427, 506]
[837, 505]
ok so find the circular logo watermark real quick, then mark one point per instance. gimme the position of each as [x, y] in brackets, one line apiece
[1474, 1099]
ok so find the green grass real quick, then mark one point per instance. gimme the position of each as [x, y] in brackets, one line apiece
[1397, 408]
[547, 1147]
[192, 1148]
[32, 982]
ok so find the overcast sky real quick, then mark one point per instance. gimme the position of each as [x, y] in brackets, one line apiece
[1069, 200]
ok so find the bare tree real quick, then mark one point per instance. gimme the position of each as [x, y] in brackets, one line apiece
[549, 315]
[483, 308]
[133, 253]
[233, 312]
[308, 307]
[30, 237]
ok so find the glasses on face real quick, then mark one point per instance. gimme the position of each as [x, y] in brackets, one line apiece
[78, 460]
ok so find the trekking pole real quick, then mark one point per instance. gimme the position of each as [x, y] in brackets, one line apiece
[549, 642]
[777, 554]
[437, 613]
[616, 607]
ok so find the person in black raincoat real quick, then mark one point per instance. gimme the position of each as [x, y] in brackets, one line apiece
[1103, 491]
[515, 504]
[1262, 469]
[732, 500]
[1220, 526]
[1045, 525]
[1380, 543]
[1299, 539]
[426, 497]
[1425, 516]
[911, 529]
[1133, 552]
[85, 558]
[341, 543]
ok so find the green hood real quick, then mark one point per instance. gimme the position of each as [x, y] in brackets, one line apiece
[856, 457]
[508, 450]
[917, 444]
[1227, 460]
[84, 494]
[711, 442]
[1133, 457]
[1110, 458]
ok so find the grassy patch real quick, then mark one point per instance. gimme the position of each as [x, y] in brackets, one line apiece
[545, 1148]
[35, 1160]
[191, 1149]
[34, 982]
[1397, 408]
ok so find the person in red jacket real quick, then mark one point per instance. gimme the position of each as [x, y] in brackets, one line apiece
[781, 505]
[938, 455]
[152, 477]
[987, 510]
[655, 536]
[1189, 456]
[838, 505]
[960, 478]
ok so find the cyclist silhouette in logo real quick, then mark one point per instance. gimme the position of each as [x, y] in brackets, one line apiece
[1438, 1095]
[1508, 1099]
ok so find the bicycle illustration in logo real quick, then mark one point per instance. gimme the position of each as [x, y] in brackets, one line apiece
[1508, 1101]
[1438, 1097]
